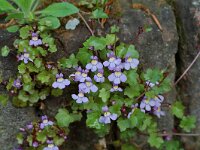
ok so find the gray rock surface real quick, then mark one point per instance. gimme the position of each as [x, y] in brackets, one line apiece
[188, 22]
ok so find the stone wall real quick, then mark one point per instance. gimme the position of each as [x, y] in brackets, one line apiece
[173, 49]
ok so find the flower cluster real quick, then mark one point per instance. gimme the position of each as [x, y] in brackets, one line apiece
[152, 105]
[33, 131]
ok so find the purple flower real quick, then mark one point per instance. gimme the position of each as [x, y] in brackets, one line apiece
[25, 57]
[29, 126]
[157, 111]
[80, 98]
[35, 41]
[99, 77]
[35, 144]
[150, 84]
[51, 147]
[77, 75]
[17, 83]
[84, 76]
[116, 88]
[146, 104]
[45, 122]
[113, 62]
[107, 117]
[87, 87]
[60, 82]
[130, 63]
[133, 107]
[94, 65]
[117, 77]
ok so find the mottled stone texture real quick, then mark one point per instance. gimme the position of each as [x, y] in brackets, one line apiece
[188, 23]
[156, 48]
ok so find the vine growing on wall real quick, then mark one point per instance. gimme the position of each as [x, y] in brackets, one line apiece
[112, 89]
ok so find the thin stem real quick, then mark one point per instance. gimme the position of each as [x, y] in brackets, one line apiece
[79, 14]
[187, 69]
[181, 134]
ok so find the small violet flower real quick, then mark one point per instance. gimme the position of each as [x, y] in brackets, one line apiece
[158, 112]
[84, 76]
[117, 77]
[99, 77]
[80, 98]
[88, 86]
[77, 75]
[51, 147]
[60, 82]
[35, 41]
[35, 144]
[25, 57]
[150, 84]
[17, 83]
[45, 122]
[94, 65]
[106, 119]
[146, 104]
[116, 88]
[113, 62]
[130, 63]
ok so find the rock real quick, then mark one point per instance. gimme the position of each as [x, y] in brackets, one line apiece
[188, 23]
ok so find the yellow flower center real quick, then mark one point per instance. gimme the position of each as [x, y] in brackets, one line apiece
[94, 62]
[99, 75]
[118, 73]
[26, 55]
[60, 79]
[112, 59]
[115, 87]
[35, 38]
[88, 83]
[50, 145]
[107, 114]
[78, 73]
[80, 95]
[45, 121]
[129, 59]
[84, 75]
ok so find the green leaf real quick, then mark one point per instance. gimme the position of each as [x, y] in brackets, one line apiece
[13, 28]
[99, 13]
[153, 75]
[6, 6]
[52, 48]
[132, 52]
[188, 123]
[104, 94]
[41, 136]
[99, 43]
[60, 10]
[43, 77]
[121, 50]
[25, 32]
[114, 29]
[68, 63]
[177, 109]
[27, 78]
[20, 138]
[56, 92]
[64, 118]
[58, 141]
[22, 68]
[132, 77]
[38, 62]
[5, 51]
[84, 56]
[155, 141]
[23, 96]
[133, 91]
[123, 124]
[50, 22]
[25, 5]
[111, 39]
[93, 120]
[4, 99]
[171, 145]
